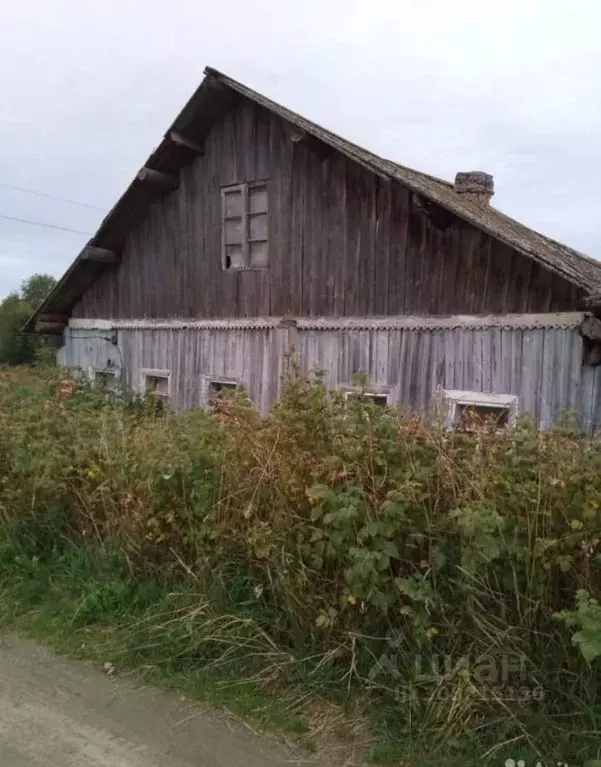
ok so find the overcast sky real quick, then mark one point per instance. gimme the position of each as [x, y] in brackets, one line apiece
[87, 90]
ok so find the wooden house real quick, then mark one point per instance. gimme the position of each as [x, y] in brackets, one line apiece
[251, 230]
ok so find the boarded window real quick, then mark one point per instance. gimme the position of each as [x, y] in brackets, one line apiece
[244, 226]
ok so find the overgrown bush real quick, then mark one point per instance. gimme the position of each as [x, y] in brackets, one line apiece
[451, 578]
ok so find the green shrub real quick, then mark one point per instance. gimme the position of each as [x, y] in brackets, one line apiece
[445, 576]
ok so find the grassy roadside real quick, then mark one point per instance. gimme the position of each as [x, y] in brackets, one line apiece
[83, 604]
[208, 645]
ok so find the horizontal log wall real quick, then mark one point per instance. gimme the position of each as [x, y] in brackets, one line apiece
[543, 365]
[342, 242]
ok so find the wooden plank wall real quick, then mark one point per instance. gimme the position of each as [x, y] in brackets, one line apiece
[342, 242]
[543, 366]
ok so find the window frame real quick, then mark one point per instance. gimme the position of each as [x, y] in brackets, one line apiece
[244, 188]
[371, 392]
[225, 381]
[454, 399]
[146, 373]
[207, 384]
[96, 373]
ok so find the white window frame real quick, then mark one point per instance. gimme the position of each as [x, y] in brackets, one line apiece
[453, 398]
[93, 372]
[371, 391]
[208, 382]
[155, 373]
[114, 373]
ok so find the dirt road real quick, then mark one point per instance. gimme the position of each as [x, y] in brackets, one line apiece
[59, 713]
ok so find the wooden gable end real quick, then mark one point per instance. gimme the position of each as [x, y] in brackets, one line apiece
[341, 241]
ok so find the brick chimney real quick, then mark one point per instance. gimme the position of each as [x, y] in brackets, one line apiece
[475, 186]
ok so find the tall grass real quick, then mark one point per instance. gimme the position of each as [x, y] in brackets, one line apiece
[446, 581]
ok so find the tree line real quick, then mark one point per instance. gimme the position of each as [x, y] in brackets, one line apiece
[16, 347]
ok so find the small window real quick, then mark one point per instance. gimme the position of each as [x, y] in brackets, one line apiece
[157, 383]
[217, 388]
[472, 417]
[375, 398]
[106, 378]
[244, 226]
[473, 411]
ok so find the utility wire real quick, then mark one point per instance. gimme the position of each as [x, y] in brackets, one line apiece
[39, 223]
[49, 196]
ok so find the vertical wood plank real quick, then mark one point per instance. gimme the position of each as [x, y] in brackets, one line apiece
[478, 375]
[586, 404]
[486, 370]
[298, 229]
[494, 362]
[397, 282]
[368, 246]
[596, 400]
[451, 269]
[263, 145]
[437, 374]
[338, 235]
[468, 274]
[574, 364]
[434, 265]
[246, 141]
[531, 372]
[382, 246]
[312, 266]
[424, 371]
[394, 358]
[548, 378]
[354, 290]
[414, 263]
[278, 219]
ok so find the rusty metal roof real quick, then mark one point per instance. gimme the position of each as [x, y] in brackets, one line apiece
[212, 98]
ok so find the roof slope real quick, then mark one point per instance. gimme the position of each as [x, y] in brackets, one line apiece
[211, 99]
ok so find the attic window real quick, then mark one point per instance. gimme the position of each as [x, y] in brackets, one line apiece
[244, 226]
[470, 411]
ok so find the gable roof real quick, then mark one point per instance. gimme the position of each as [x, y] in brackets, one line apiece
[213, 97]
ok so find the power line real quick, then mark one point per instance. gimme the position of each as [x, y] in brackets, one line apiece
[49, 196]
[39, 223]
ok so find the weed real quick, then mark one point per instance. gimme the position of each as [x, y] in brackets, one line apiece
[444, 584]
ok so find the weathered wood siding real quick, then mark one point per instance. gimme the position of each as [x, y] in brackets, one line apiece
[342, 242]
[254, 358]
[543, 365]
